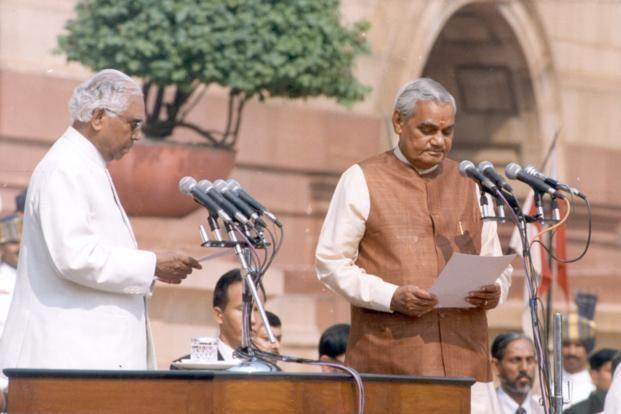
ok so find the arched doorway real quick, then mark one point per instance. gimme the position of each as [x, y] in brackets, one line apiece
[477, 56]
[495, 57]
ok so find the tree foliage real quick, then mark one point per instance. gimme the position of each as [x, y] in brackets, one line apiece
[255, 48]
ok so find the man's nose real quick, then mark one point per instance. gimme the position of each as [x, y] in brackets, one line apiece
[437, 139]
[137, 134]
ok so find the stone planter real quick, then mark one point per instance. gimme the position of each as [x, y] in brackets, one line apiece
[147, 178]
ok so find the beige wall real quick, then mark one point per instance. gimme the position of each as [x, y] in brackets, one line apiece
[291, 153]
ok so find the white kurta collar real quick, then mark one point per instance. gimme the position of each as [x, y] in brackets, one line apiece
[401, 157]
[509, 405]
[226, 351]
[85, 146]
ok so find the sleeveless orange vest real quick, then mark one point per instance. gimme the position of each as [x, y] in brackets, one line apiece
[411, 232]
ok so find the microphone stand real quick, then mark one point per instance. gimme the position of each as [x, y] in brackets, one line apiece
[256, 360]
[252, 363]
[520, 221]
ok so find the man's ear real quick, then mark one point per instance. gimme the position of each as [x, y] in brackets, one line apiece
[593, 373]
[495, 365]
[325, 358]
[98, 119]
[217, 314]
[397, 123]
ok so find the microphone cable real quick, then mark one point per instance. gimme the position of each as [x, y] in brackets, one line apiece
[355, 375]
[587, 243]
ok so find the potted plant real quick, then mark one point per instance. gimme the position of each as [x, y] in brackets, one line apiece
[256, 49]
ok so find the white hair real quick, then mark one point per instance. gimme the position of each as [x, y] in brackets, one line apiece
[421, 89]
[107, 89]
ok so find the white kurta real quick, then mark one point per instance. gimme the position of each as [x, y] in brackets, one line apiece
[580, 387]
[7, 286]
[509, 406]
[82, 287]
[226, 351]
[613, 397]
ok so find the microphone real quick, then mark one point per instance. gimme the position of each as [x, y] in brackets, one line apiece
[529, 169]
[188, 185]
[208, 188]
[515, 172]
[223, 187]
[467, 169]
[488, 170]
[236, 188]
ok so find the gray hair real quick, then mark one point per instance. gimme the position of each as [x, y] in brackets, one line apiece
[107, 89]
[421, 89]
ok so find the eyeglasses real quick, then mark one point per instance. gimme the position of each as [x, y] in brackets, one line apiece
[134, 124]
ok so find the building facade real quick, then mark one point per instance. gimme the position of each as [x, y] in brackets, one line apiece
[523, 72]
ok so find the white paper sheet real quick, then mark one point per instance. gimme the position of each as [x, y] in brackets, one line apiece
[465, 273]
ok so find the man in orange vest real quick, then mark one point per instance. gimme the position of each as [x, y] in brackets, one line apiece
[394, 221]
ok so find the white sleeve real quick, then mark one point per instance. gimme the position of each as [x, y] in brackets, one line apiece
[77, 251]
[337, 249]
[612, 403]
[490, 246]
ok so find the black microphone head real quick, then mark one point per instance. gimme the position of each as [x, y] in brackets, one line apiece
[229, 186]
[488, 170]
[220, 185]
[484, 165]
[464, 166]
[204, 185]
[233, 184]
[529, 169]
[186, 184]
[512, 170]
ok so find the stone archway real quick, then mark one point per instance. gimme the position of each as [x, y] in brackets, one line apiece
[478, 58]
[494, 56]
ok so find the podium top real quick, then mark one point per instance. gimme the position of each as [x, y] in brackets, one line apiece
[214, 375]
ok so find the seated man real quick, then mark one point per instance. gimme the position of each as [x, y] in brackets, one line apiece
[227, 311]
[513, 358]
[601, 374]
[333, 344]
[261, 339]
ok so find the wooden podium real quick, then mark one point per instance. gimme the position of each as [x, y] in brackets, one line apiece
[34, 391]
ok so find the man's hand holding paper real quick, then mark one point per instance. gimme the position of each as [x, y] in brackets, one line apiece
[413, 301]
[487, 297]
[470, 280]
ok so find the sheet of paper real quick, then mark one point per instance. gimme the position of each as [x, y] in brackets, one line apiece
[465, 273]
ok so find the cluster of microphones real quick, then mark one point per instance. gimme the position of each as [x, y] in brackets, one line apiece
[493, 183]
[227, 201]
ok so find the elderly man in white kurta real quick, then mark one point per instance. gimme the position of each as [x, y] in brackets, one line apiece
[83, 285]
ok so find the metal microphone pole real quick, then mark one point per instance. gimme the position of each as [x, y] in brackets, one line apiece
[252, 362]
[558, 365]
[542, 362]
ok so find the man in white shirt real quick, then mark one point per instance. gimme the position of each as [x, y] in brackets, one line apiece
[513, 358]
[83, 285]
[227, 311]
[612, 404]
[600, 363]
[261, 338]
[10, 235]
[394, 221]
[332, 346]
[578, 342]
